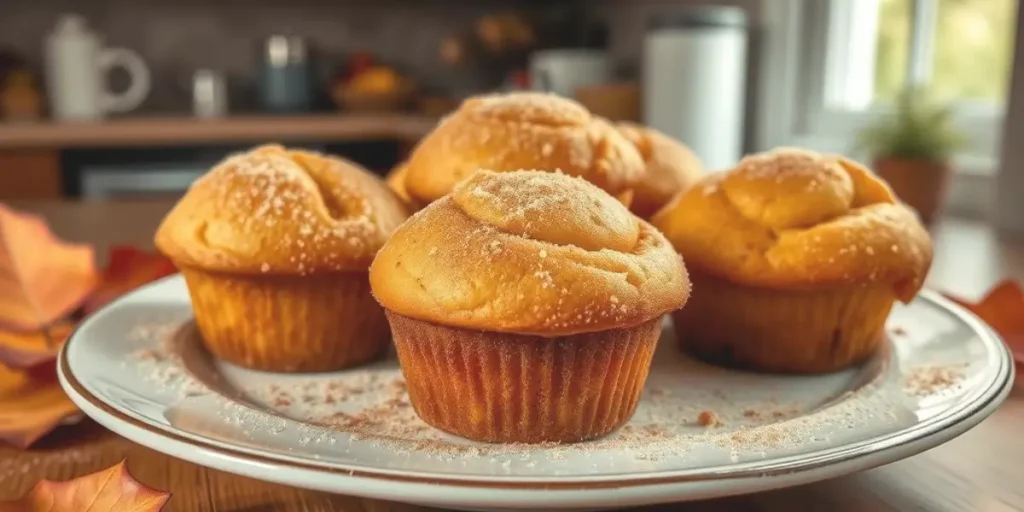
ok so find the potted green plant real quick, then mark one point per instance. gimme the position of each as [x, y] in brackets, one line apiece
[912, 149]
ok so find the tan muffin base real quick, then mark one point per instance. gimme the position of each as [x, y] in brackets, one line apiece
[288, 323]
[782, 331]
[514, 388]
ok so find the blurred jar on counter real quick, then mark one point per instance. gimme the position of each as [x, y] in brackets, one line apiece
[209, 94]
[285, 75]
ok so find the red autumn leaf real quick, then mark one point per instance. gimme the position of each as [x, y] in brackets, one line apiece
[42, 278]
[111, 490]
[127, 269]
[31, 404]
[22, 350]
[1003, 309]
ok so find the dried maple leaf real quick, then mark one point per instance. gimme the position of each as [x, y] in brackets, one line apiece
[1003, 309]
[31, 404]
[22, 350]
[42, 278]
[127, 269]
[111, 490]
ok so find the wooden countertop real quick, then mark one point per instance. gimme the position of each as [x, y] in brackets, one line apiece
[190, 130]
[980, 470]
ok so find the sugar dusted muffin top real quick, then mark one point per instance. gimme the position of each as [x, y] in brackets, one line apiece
[529, 252]
[277, 211]
[797, 219]
[522, 130]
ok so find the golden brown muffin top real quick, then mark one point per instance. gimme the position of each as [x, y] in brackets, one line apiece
[529, 252]
[671, 168]
[792, 218]
[522, 130]
[277, 211]
[396, 180]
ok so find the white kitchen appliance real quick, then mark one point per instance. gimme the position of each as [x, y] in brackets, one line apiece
[562, 71]
[77, 65]
[694, 80]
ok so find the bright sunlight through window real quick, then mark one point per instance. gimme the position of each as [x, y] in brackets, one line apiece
[960, 50]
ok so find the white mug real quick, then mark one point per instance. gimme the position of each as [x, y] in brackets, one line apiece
[77, 67]
[561, 71]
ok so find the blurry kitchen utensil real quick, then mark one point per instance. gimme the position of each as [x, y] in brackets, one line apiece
[76, 70]
[694, 80]
[209, 94]
[617, 101]
[286, 77]
[562, 71]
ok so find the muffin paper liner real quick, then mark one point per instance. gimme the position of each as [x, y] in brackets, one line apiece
[501, 387]
[309, 323]
[782, 331]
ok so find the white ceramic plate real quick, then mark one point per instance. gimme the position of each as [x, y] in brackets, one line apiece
[137, 368]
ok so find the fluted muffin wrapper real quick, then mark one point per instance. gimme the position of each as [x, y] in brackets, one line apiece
[771, 330]
[309, 323]
[513, 388]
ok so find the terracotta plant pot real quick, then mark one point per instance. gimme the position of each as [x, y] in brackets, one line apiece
[921, 184]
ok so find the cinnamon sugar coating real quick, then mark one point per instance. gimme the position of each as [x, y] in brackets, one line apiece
[273, 210]
[529, 252]
[522, 130]
[796, 219]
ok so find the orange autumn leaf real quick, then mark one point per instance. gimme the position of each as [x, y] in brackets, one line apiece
[111, 490]
[1003, 309]
[42, 278]
[128, 268]
[22, 350]
[31, 404]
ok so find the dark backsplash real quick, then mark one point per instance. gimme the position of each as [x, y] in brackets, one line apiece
[176, 37]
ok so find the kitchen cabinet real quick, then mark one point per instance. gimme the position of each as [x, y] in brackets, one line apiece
[33, 173]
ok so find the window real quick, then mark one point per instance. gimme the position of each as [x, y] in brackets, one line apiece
[847, 59]
[959, 50]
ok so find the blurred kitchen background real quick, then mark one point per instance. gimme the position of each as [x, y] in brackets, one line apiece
[118, 99]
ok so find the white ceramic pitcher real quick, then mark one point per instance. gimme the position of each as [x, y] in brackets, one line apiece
[76, 73]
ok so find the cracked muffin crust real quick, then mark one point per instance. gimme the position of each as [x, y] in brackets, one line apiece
[529, 252]
[522, 130]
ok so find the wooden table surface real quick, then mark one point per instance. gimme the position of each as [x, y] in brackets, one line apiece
[981, 470]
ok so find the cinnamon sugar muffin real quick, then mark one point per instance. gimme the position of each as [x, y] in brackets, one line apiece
[275, 245]
[670, 168]
[522, 130]
[525, 307]
[797, 258]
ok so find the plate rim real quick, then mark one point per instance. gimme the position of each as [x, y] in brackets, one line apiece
[981, 403]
